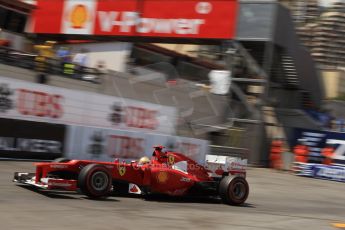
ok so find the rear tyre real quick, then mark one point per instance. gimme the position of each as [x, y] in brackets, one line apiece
[233, 190]
[95, 181]
[61, 160]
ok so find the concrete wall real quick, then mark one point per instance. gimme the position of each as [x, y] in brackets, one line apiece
[285, 36]
[334, 83]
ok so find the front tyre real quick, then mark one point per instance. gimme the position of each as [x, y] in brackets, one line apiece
[95, 181]
[233, 190]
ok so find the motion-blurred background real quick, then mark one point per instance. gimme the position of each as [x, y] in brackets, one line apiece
[108, 79]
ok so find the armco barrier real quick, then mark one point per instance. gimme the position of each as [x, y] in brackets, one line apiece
[23, 139]
[47, 65]
[107, 144]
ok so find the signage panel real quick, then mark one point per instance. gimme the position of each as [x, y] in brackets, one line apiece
[147, 18]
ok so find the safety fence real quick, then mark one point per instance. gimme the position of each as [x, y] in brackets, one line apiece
[45, 65]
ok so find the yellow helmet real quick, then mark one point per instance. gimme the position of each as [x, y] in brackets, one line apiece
[144, 160]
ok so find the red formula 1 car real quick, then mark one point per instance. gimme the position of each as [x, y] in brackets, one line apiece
[165, 173]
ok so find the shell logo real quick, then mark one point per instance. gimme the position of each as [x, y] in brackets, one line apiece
[79, 16]
[162, 177]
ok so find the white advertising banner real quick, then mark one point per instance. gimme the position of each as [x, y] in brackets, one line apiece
[107, 144]
[36, 102]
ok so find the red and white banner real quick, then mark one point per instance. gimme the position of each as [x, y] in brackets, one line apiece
[107, 144]
[36, 102]
[148, 18]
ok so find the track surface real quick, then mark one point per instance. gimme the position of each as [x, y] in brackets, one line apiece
[277, 201]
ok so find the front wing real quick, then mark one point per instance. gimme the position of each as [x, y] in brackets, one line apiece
[59, 184]
[45, 183]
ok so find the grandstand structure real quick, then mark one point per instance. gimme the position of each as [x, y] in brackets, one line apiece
[325, 37]
[303, 11]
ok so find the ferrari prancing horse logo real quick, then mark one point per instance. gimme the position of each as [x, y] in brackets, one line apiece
[122, 170]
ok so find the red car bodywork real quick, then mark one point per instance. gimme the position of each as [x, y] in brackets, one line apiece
[159, 176]
[168, 173]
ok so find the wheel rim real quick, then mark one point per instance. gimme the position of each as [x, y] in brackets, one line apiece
[238, 191]
[99, 181]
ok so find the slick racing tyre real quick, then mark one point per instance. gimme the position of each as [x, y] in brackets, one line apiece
[233, 190]
[61, 160]
[95, 181]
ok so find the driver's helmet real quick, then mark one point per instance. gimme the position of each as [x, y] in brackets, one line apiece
[158, 151]
[158, 147]
[144, 160]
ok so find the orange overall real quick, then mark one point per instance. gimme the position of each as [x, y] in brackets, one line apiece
[301, 153]
[275, 154]
[328, 153]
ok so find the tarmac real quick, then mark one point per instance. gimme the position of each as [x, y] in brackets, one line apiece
[277, 200]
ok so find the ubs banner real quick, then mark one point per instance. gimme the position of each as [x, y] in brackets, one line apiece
[317, 140]
[107, 144]
[31, 140]
[29, 101]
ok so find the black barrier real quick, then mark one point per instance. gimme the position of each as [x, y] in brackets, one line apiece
[20, 139]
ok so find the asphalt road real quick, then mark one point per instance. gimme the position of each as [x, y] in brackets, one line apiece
[277, 201]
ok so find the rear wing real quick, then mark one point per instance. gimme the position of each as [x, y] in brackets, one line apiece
[226, 165]
[242, 153]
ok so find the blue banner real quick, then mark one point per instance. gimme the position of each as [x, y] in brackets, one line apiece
[317, 140]
[327, 172]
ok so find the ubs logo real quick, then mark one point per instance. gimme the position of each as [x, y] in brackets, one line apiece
[5, 98]
[116, 114]
[79, 16]
[97, 146]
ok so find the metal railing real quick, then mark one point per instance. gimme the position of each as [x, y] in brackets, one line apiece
[44, 65]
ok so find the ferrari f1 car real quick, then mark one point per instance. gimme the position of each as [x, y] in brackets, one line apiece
[165, 173]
